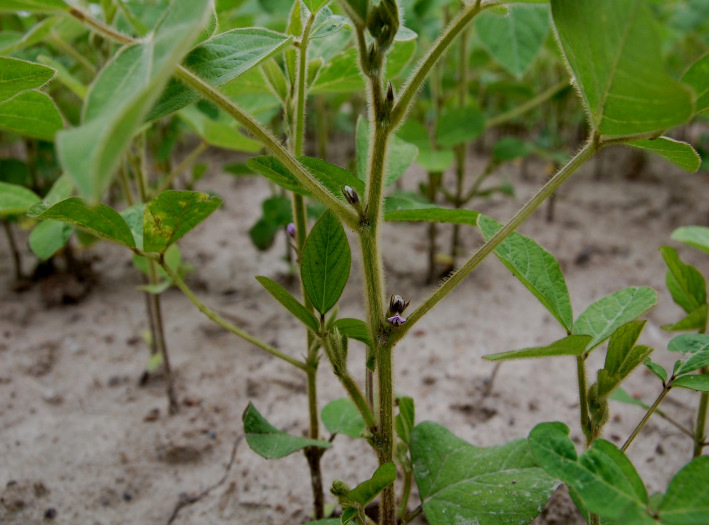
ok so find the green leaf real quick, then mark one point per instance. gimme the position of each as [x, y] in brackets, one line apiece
[514, 40]
[354, 329]
[366, 491]
[289, 302]
[687, 499]
[325, 262]
[538, 270]
[32, 114]
[511, 148]
[685, 282]
[613, 48]
[459, 125]
[315, 5]
[435, 161]
[400, 154]
[603, 476]
[99, 220]
[620, 346]
[461, 483]
[327, 24]
[406, 200]
[275, 171]
[122, 95]
[656, 369]
[357, 10]
[20, 75]
[328, 521]
[219, 60]
[621, 395]
[65, 76]
[468, 217]
[697, 76]
[172, 214]
[342, 417]
[570, 345]
[332, 177]
[696, 320]
[15, 199]
[269, 442]
[696, 236]
[606, 315]
[277, 213]
[694, 345]
[276, 79]
[693, 382]
[133, 216]
[33, 6]
[217, 133]
[35, 35]
[49, 237]
[404, 422]
[677, 152]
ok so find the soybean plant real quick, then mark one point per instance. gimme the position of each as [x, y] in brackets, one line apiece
[614, 59]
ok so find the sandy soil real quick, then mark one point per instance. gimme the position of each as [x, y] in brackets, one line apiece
[82, 443]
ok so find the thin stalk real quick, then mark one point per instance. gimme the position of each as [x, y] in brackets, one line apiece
[434, 180]
[313, 454]
[73, 53]
[412, 515]
[157, 325]
[701, 424]
[345, 214]
[530, 104]
[162, 345]
[351, 387]
[16, 257]
[461, 149]
[583, 399]
[486, 249]
[406, 492]
[594, 519]
[189, 159]
[417, 78]
[646, 417]
[211, 314]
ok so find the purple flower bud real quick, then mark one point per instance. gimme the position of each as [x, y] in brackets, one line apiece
[351, 195]
[397, 304]
[397, 320]
[291, 229]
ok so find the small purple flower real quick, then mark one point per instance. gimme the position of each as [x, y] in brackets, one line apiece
[291, 229]
[397, 320]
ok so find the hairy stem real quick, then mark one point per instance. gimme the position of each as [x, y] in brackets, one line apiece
[486, 249]
[271, 143]
[417, 78]
[646, 417]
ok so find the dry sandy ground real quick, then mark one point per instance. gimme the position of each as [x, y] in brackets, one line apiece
[79, 436]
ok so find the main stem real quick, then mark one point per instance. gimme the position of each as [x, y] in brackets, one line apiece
[312, 454]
